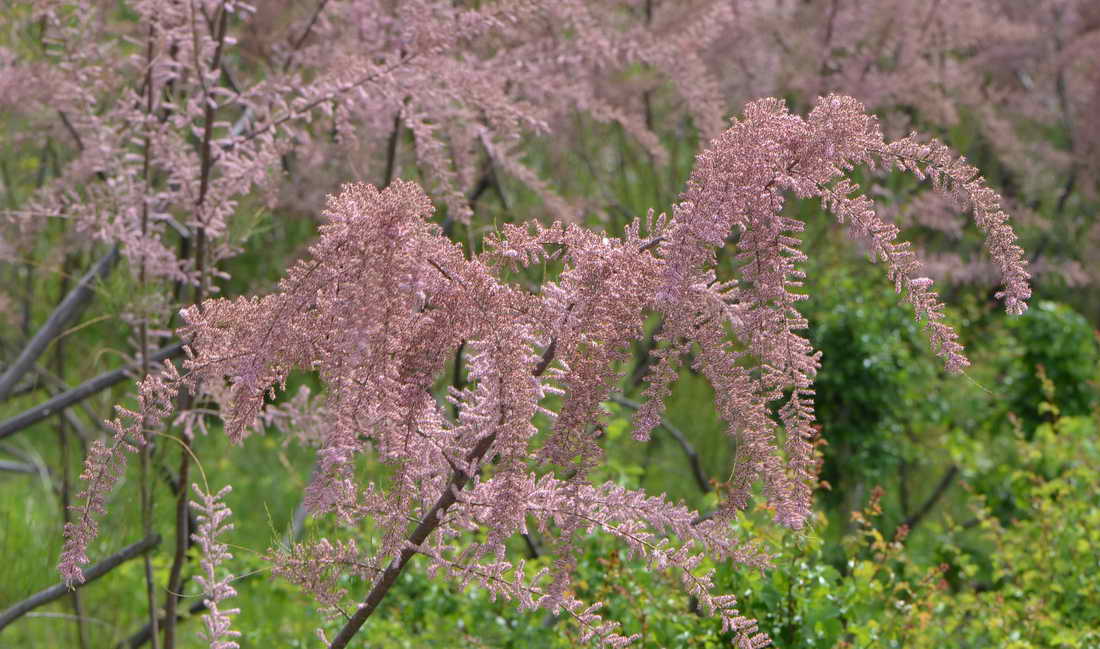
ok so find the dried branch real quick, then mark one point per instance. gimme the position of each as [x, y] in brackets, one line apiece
[300, 41]
[916, 517]
[18, 467]
[693, 456]
[66, 311]
[183, 508]
[91, 574]
[79, 393]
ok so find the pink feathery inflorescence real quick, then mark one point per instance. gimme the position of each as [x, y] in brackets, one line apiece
[212, 512]
[384, 300]
[106, 463]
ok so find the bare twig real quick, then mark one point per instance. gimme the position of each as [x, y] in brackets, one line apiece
[391, 150]
[693, 456]
[183, 509]
[533, 551]
[79, 393]
[55, 386]
[19, 467]
[652, 243]
[143, 341]
[305, 34]
[65, 462]
[427, 525]
[91, 574]
[916, 517]
[65, 312]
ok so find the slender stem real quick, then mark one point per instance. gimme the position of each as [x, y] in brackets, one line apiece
[941, 488]
[143, 342]
[694, 460]
[65, 461]
[903, 488]
[458, 380]
[183, 536]
[66, 311]
[305, 34]
[175, 580]
[75, 395]
[22, 467]
[391, 150]
[428, 524]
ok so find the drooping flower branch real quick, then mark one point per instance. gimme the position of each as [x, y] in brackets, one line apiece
[385, 299]
[106, 464]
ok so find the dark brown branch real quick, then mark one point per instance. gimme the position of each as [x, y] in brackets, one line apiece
[645, 357]
[80, 392]
[547, 357]
[72, 130]
[903, 488]
[652, 243]
[91, 574]
[66, 311]
[305, 34]
[183, 508]
[64, 462]
[701, 478]
[391, 150]
[945, 483]
[427, 525]
[458, 380]
[143, 340]
[533, 551]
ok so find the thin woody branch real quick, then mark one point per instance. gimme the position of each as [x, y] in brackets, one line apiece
[300, 41]
[697, 471]
[58, 591]
[20, 467]
[66, 311]
[83, 391]
[428, 524]
[942, 486]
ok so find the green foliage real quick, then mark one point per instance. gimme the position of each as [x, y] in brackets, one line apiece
[877, 381]
[1058, 339]
[1021, 583]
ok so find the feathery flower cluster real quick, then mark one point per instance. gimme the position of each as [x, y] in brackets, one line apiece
[384, 301]
[212, 513]
[990, 66]
[170, 138]
[106, 463]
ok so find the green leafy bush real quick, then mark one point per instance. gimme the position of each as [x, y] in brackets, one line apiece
[1062, 342]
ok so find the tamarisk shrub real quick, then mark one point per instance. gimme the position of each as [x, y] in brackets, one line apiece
[384, 300]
